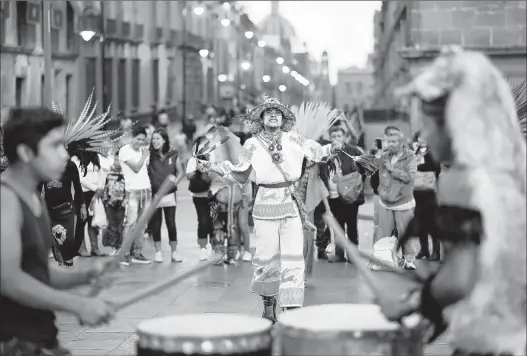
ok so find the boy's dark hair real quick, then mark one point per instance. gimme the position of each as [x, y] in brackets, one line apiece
[138, 130]
[28, 126]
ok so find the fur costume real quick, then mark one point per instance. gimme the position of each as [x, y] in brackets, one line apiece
[487, 175]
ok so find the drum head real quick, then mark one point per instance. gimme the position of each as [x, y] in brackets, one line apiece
[203, 326]
[338, 318]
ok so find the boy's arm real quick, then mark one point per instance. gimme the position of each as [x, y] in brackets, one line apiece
[17, 284]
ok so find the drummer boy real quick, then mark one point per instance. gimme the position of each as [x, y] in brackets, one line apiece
[32, 288]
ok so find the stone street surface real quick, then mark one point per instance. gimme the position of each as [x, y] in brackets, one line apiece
[220, 289]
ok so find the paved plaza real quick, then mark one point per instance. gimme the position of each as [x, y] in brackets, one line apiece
[220, 289]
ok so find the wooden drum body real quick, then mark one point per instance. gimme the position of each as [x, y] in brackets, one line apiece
[205, 334]
[345, 329]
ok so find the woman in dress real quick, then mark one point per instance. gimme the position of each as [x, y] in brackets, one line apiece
[164, 161]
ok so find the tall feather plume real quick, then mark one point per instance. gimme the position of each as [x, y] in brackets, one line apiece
[88, 133]
[314, 119]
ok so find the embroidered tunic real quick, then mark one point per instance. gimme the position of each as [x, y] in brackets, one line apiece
[277, 203]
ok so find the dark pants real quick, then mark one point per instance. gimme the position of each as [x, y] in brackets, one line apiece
[80, 225]
[62, 229]
[347, 217]
[323, 232]
[425, 204]
[170, 220]
[204, 220]
[113, 235]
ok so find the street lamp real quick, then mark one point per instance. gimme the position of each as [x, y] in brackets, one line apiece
[222, 78]
[87, 35]
[225, 22]
[199, 10]
[285, 69]
[204, 53]
[282, 88]
[246, 65]
[249, 34]
[266, 78]
[280, 60]
[261, 44]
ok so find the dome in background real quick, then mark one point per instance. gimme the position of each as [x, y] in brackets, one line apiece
[277, 25]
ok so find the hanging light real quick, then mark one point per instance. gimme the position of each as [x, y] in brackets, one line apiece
[280, 60]
[282, 88]
[249, 34]
[87, 35]
[294, 74]
[226, 5]
[261, 44]
[285, 69]
[204, 52]
[266, 78]
[307, 82]
[246, 65]
[222, 78]
[242, 87]
[225, 22]
[199, 10]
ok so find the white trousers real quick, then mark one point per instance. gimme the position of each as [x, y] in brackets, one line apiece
[278, 263]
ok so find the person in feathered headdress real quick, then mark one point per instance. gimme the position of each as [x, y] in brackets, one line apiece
[275, 155]
[470, 122]
[85, 139]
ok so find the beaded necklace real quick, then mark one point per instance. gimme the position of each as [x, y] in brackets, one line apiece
[274, 141]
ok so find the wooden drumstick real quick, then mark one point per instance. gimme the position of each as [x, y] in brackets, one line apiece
[137, 233]
[162, 285]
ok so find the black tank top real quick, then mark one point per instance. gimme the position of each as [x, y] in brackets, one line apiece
[17, 320]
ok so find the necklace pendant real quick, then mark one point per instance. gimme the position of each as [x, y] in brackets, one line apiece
[277, 157]
[271, 147]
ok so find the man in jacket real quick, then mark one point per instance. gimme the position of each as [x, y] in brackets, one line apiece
[345, 211]
[397, 167]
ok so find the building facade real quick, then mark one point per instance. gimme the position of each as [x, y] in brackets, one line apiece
[409, 34]
[145, 55]
[355, 87]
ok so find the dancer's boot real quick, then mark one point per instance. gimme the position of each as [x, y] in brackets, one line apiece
[269, 312]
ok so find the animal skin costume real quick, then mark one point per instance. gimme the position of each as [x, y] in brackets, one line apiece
[278, 213]
[482, 198]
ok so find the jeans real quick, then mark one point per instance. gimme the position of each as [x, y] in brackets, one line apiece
[425, 205]
[204, 220]
[347, 217]
[170, 221]
[398, 219]
[138, 200]
[113, 235]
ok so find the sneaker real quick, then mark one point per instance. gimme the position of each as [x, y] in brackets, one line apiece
[409, 266]
[210, 250]
[140, 259]
[159, 257]
[176, 257]
[238, 256]
[126, 261]
[204, 254]
[247, 257]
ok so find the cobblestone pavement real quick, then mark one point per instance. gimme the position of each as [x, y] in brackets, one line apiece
[217, 290]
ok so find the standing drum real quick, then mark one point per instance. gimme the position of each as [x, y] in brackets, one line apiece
[205, 334]
[345, 329]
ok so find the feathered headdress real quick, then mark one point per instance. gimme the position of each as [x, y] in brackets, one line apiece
[87, 132]
[253, 118]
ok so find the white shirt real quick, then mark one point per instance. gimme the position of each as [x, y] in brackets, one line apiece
[89, 183]
[192, 166]
[106, 164]
[132, 180]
